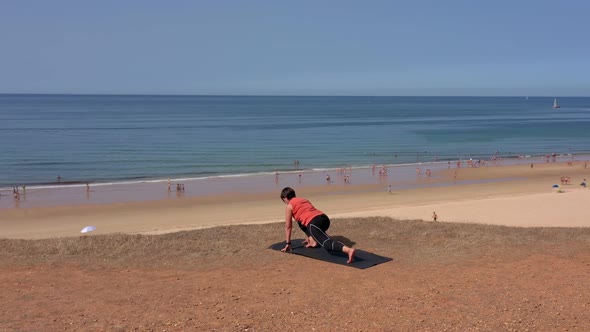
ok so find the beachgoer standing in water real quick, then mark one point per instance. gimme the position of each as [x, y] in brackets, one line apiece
[313, 222]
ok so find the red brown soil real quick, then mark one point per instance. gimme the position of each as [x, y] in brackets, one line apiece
[441, 279]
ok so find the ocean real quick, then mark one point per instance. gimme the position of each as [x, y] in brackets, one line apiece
[121, 138]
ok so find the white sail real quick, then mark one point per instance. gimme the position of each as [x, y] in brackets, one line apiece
[555, 103]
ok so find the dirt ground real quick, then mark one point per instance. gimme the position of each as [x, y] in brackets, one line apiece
[444, 277]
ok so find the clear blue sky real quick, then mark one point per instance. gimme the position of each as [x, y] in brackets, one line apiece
[274, 47]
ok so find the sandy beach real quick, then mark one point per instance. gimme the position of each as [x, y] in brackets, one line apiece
[512, 195]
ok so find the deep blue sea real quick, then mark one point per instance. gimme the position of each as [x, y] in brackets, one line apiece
[106, 138]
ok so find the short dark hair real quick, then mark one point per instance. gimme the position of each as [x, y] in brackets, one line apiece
[287, 193]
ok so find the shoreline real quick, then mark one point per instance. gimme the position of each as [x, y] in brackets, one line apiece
[513, 195]
[502, 160]
[401, 176]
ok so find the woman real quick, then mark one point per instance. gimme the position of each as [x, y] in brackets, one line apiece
[311, 221]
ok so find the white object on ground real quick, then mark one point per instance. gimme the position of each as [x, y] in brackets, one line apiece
[87, 229]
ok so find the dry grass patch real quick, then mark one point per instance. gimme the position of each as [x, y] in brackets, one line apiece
[413, 242]
[421, 241]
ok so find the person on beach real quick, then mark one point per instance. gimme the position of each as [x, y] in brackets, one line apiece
[313, 222]
[583, 184]
[434, 216]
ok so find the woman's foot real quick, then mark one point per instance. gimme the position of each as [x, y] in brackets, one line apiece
[310, 243]
[350, 256]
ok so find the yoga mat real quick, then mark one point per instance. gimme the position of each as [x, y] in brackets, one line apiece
[362, 259]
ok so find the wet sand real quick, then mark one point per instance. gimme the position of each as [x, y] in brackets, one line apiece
[514, 195]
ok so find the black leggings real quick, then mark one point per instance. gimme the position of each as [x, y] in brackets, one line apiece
[317, 229]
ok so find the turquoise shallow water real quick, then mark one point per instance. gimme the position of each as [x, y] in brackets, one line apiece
[110, 139]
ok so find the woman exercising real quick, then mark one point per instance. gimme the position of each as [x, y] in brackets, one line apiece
[311, 221]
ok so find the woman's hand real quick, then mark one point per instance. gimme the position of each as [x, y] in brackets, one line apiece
[287, 248]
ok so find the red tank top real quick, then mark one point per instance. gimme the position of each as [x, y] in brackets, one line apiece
[303, 210]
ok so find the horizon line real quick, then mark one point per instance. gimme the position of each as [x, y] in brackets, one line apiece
[281, 95]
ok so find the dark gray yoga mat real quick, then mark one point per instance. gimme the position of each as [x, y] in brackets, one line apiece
[362, 259]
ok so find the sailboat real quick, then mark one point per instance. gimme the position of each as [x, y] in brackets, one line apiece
[555, 103]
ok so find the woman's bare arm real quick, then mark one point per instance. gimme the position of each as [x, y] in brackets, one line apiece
[288, 226]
